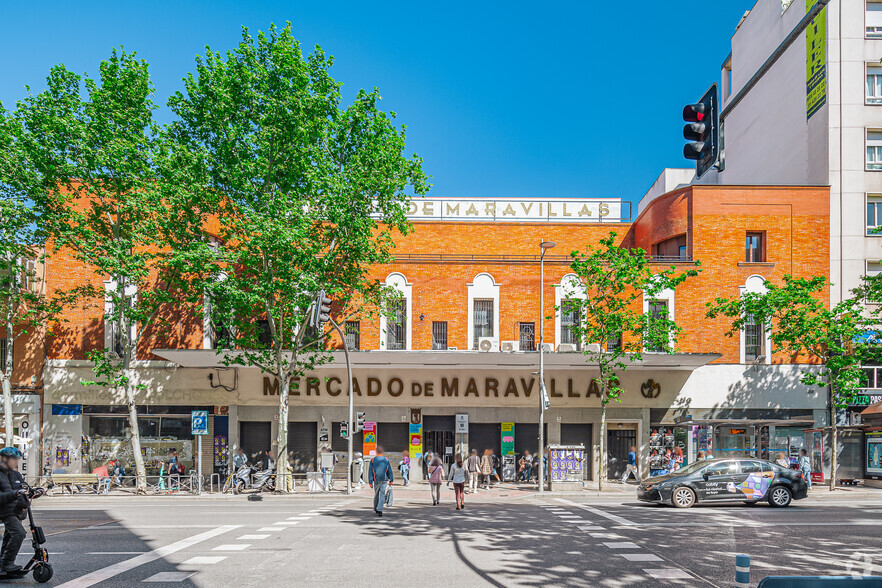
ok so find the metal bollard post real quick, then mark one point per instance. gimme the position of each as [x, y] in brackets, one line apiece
[742, 570]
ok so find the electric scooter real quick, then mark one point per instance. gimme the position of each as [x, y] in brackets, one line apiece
[39, 564]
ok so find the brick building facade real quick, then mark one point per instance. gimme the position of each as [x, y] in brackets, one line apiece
[479, 275]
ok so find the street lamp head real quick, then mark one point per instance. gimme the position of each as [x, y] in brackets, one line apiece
[547, 244]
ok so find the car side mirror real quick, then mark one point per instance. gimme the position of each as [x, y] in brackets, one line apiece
[705, 475]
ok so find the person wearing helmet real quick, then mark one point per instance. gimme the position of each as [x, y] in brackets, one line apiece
[13, 501]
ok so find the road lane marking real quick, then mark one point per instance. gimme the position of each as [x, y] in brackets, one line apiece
[669, 574]
[124, 566]
[251, 537]
[232, 547]
[114, 552]
[640, 557]
[597, 511]
[270, 529]
[590, 528]
[169, 577]
[606, 536]
[299, 518]
[288, 523]
[204, 560]
[621, 545]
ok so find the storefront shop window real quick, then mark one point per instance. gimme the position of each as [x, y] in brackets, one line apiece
[108, 439]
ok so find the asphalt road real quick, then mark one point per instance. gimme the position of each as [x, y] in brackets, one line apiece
[557, 541]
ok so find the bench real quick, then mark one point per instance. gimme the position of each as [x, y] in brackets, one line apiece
[70, 481]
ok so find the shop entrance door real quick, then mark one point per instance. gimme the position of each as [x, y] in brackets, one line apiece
[255, 438]
[580, 433]
[440, 443]
[619, 442]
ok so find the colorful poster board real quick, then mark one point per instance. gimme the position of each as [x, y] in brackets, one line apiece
[415, 441]
[508, 439]
[566, 463]
[874, 453]
[815, 62]
[369, 446]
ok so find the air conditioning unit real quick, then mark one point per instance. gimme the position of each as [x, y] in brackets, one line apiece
[511, 346]
[566, 347]
[546, 348]
[453, 349]
[593, 348]
[488, 344]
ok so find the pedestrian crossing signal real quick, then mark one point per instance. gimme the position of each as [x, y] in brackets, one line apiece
[344, 430]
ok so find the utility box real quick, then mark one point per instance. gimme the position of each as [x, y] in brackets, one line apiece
[566, 467]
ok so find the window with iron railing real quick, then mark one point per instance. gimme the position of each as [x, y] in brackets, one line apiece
[614, 343]
[570, 314]
[754, 339]
[527, 336]
[3, 348]
[483, 320]
[658, 309]
[396, 325]
[439, 335]
[353, 335]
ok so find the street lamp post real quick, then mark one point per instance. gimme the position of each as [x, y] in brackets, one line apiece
[350, 429]
[543, 246]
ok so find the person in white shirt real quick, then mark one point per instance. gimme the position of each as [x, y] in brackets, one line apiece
[473, 466]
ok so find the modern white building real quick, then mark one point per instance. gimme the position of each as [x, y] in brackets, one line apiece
[814, 118]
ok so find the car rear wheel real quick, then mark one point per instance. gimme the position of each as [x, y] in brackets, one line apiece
[683, 497]
[780, 496]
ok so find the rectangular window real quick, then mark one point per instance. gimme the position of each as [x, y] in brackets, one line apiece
[874, 84]
[483, 320]
[527, 336]
[754, 339]
[670, 249]
[870, 373]
[439, 335]
[657, 309]
[614, 344]
[264, 334]
[874, 214]
[353, 335]
[755, 248]
[874, 19]
[3, 348]
[396, 325]
[570, 314]
[874, 150]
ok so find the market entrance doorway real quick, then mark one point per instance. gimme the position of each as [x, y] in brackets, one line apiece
[619, 442]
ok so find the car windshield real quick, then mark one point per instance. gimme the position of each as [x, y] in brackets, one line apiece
[692, 467]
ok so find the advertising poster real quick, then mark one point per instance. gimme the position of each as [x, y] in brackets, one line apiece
[370, 439]
[415, 442]
[874, 453]
[508, 439]
[817, 456]
[815, 62]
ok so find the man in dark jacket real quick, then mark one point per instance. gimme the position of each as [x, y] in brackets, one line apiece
[13, 501]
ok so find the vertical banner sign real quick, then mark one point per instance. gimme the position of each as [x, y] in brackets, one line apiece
[370, 439]
[508, 437]
[815, 62]
[415, 442]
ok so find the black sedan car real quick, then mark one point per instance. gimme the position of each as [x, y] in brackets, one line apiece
[725, 480]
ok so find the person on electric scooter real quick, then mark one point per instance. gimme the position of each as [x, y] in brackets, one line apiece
[13, 501]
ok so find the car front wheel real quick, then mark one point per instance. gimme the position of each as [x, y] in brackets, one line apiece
[780, 496]
[683, 497]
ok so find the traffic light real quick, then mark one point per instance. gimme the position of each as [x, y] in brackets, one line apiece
[703, 131]
[322, 313]
[344, 430]
[359, 422]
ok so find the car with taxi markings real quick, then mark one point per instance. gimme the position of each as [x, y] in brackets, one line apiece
[725, 480]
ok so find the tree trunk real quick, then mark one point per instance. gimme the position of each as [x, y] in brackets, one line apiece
[140, 472]
[601, 475]
[7, 403]
[834, 442]
[282, 440]
[10, 352]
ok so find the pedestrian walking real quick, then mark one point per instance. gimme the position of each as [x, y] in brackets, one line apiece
[782, 460]
[436, 475]
[457, 475]
[473, 466]
[631, 468]
[699, 456]
[380, 478]
[805, 466]
[526, 464]
[486, 467]
[496, 465]
[404, 467]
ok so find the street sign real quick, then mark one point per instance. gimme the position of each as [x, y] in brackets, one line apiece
[462, 423]
[199, 422]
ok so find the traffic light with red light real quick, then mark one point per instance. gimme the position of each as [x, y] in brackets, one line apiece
[703, 131]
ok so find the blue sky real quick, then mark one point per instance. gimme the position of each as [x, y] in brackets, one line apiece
[501, 99]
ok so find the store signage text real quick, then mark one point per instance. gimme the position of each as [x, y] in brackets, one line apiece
[449, 387]
[513, 210]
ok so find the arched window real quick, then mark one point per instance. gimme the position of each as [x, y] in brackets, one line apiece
[483, 300]
[755, 337]
[568, 313]
[395, 323]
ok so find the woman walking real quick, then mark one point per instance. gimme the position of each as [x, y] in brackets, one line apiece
[457, 475]
[436, 474]
[486, 467]
[404, 467]
[805, 466]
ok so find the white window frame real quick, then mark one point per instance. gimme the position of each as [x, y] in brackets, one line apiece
[667, 295]
[754, 284]
[876, 199]
[208, 334]
[876, 144]
[872, 31]
[131, 291]
[875, 70]
[483, 287]
[870, 270]
[397, 281]
[569, 288]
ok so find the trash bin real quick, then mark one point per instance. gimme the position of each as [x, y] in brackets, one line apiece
[314, 482]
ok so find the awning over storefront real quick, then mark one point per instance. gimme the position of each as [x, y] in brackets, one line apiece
[208, 358]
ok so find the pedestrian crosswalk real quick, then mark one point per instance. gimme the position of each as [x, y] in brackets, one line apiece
[618, 545]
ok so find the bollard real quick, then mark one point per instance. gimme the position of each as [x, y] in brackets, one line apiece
[742, 570]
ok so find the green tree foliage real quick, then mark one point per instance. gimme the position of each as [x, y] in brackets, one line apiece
[308, 192]
[106, 189]
[616, 281]
[801, 324]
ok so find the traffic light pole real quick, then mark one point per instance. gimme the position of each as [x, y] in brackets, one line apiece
[351, 431]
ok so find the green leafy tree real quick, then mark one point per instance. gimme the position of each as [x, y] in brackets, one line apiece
[616, 281]
[105, 190]
[309, 193]
[802, 325]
